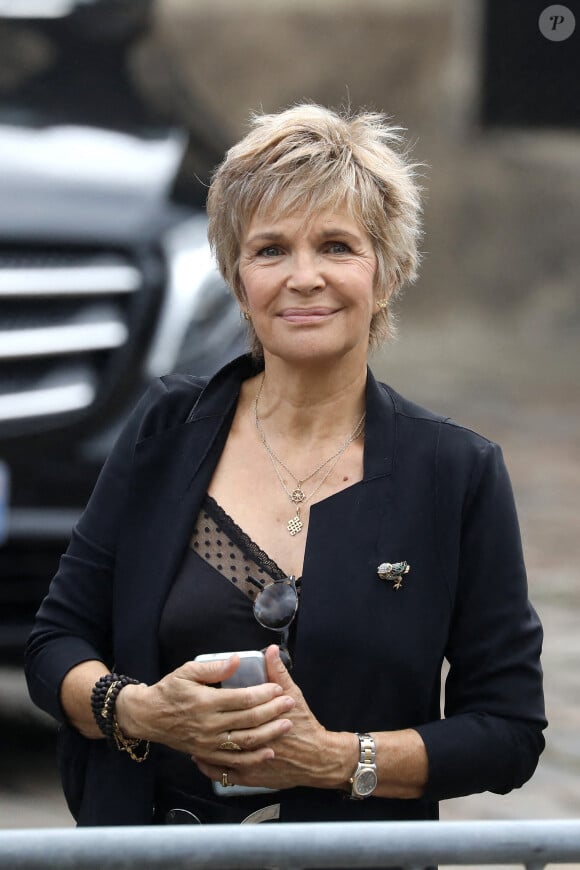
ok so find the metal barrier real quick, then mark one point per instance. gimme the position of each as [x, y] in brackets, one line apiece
[411, 845]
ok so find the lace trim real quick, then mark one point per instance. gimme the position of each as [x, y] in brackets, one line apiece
[243, 540]
[229, 550]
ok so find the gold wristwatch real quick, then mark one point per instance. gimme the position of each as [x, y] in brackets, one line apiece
[364, 779]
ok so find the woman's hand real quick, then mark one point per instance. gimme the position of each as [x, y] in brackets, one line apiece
[185, 712]
[306, 754]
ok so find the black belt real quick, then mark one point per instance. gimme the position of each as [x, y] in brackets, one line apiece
[175, 807]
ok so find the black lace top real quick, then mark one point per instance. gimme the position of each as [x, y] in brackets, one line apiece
[209, 607]
[209, 610]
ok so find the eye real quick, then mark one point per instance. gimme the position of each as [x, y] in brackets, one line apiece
[270, 251]
[338, 248]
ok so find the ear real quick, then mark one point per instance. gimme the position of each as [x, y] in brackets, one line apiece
[383, 295]
[388, 290]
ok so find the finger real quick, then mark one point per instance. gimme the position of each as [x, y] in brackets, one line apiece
[276, 670]
[250, 761]
[215, 773]
[245, 699]
[253, 739]
[210, 672]
[256, 716]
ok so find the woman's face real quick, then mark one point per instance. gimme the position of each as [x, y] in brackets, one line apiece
[309, 285]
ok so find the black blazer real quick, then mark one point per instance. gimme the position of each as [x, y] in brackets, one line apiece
[368, 656]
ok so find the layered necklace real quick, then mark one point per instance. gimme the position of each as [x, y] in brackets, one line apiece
[297, 495]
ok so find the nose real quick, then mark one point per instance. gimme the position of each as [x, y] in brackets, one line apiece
[305, 275]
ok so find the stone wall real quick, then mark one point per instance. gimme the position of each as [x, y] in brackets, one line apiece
[501, 210]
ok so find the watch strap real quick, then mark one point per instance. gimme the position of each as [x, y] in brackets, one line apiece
[368, 751]
[367, 762]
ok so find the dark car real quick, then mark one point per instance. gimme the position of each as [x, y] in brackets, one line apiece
[106, 278]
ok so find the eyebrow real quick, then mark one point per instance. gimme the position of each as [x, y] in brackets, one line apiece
[275, 236]
[265, 237]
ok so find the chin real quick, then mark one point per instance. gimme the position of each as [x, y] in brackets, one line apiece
[307, 352]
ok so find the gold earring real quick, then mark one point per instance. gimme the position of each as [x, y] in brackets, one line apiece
[246, 315]
[382, 303]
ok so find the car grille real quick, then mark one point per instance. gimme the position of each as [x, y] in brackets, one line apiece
[65, 315]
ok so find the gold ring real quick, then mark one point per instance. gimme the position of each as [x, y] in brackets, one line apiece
[225, 783]
[230, 745]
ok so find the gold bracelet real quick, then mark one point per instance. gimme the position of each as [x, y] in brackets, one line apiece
[130, 744]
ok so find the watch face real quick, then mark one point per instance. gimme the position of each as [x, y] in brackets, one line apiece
[366, 781]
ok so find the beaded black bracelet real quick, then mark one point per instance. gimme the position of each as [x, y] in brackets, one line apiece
[108, 711]
[98, 695]
[103, 700]
[104, 697]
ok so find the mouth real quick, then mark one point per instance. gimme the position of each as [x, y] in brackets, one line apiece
[307, 315]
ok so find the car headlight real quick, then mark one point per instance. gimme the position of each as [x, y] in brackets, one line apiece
[199, 326]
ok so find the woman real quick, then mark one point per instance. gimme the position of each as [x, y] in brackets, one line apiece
[293, 462]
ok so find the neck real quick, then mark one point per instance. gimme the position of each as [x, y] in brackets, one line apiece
[309, 404]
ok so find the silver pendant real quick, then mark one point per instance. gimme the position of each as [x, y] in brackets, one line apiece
[394, 571]
[295, 525]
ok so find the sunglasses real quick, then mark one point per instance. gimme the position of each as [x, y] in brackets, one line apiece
[275, 607]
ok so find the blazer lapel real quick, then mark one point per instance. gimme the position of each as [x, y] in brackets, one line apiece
[172, 471]
[345, 534]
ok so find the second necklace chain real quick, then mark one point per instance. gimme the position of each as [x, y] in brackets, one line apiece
[297, 496]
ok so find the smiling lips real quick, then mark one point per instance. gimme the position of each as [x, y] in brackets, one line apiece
[306, 315]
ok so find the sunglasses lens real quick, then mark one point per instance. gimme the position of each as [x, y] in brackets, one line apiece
[276, 605]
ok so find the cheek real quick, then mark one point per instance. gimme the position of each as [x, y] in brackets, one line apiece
[368, 283]
[247, 282]
[258, 293]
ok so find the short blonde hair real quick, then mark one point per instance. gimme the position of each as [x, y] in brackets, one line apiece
[306, 159]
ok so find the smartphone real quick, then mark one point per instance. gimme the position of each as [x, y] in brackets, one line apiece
[251, 672]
